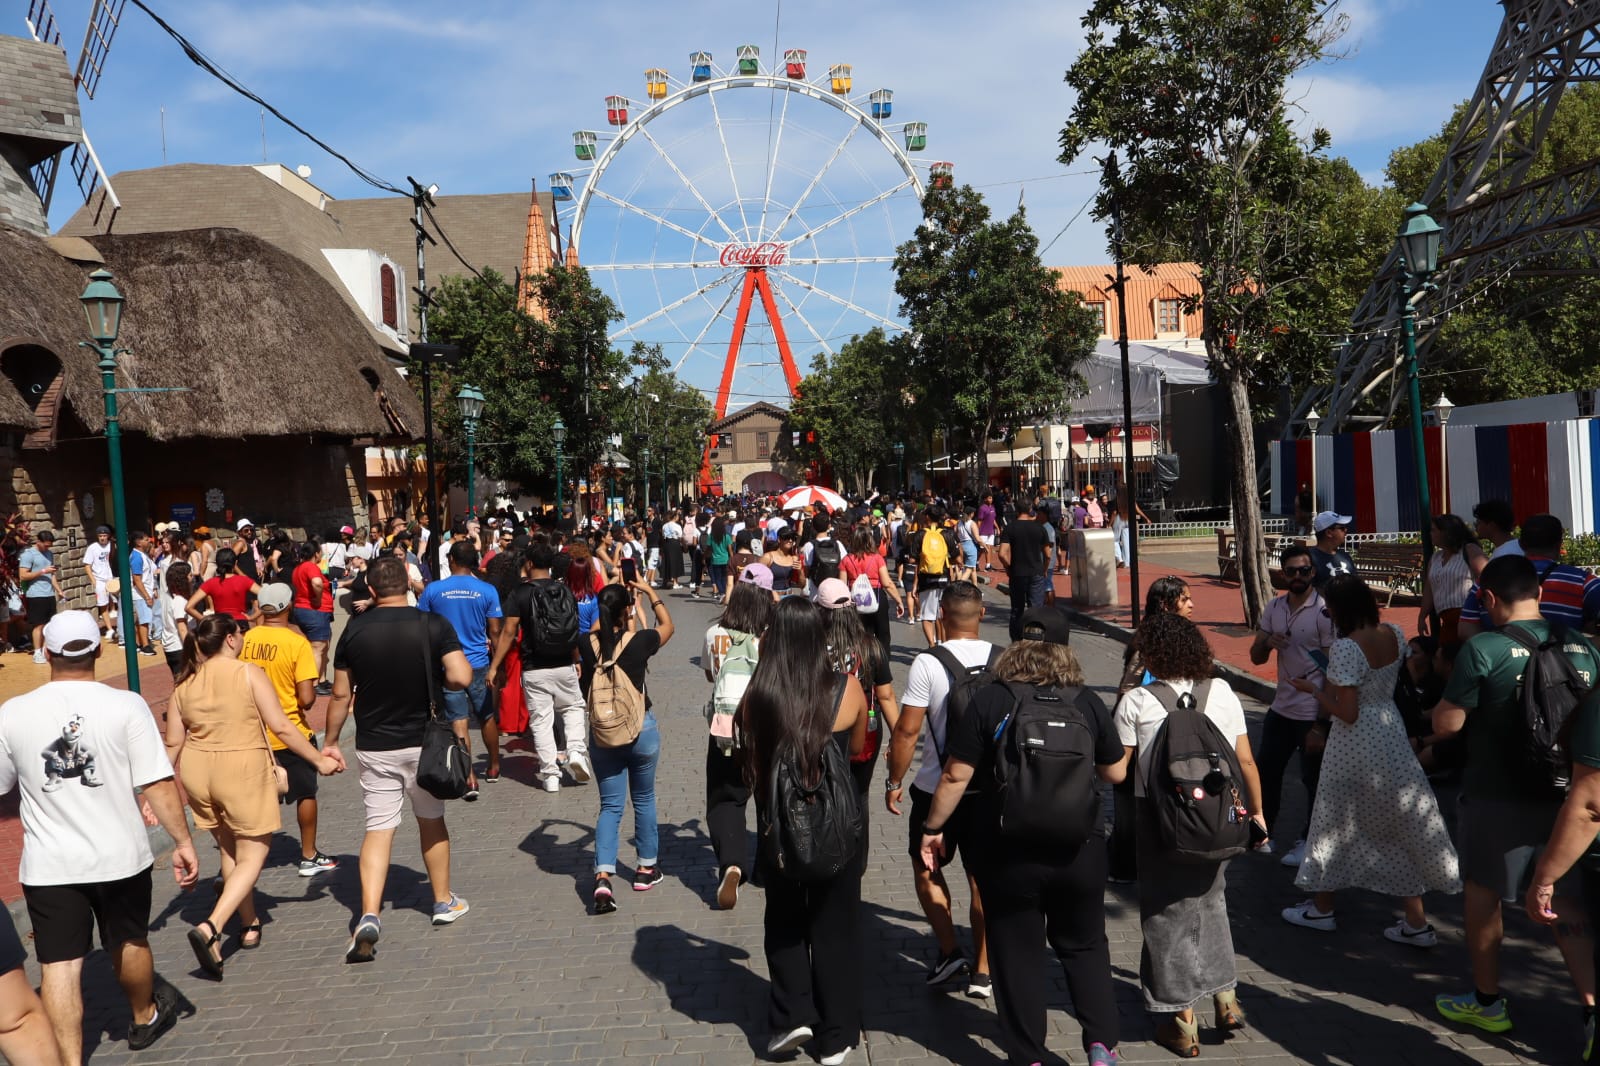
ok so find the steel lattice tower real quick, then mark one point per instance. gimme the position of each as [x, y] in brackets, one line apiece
[1496, 222]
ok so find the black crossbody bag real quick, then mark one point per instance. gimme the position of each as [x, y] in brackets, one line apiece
[444, 765]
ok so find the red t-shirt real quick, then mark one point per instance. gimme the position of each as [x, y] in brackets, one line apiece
[229, 595]
[302, 577]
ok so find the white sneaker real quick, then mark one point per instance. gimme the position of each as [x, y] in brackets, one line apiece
[784, 1043]
[1402, 933]
[1295, 855]
[550, 784]
[836, 1058]
[1266, 848]
[38, 656]
[1306, 915]
[579, 767]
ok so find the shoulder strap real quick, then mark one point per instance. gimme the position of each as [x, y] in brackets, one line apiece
[1521, 636]
[616, 652]
[947, 659]
[427, 660]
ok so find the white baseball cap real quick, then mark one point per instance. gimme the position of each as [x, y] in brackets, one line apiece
[244, 523]
[72, 633]
[1328, 519]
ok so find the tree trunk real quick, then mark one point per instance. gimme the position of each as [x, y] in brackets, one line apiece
[1255, 583]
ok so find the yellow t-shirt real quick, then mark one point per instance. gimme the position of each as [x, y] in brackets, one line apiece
[287, 658]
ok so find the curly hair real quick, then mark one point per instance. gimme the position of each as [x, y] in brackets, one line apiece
[1174, 649]
[1038, 662]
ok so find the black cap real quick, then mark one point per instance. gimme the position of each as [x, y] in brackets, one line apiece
[101, 529]
[1048, 624]
[45, 534]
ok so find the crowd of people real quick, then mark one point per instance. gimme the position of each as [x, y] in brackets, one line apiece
[545, 626]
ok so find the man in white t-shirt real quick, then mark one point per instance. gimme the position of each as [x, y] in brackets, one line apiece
[78, 749]
[97, 562]
[926, 696]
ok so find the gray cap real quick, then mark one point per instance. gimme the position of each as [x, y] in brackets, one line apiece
[275, 598]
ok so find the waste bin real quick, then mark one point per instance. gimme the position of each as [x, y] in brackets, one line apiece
[1093, 557]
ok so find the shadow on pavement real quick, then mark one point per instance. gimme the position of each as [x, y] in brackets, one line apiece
[574, 859]
[705, 980]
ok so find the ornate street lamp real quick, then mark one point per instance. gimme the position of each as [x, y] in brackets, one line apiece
[1313, 420]
[900, 461]
[470, 402]
[558, 433]
[102, 306]
[644, 457]
[1441, 410]
[1418, 245]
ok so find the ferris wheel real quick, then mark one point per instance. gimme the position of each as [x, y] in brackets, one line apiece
[741, 186]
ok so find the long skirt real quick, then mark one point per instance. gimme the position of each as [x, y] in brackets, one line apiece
[1183, 914]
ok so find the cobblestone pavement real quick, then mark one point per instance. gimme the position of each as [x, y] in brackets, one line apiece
[529, 976]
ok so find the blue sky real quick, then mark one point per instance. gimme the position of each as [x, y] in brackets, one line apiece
[481, 95]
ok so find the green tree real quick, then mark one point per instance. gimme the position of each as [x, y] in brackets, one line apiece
[853, 408]
[1192, 93]
[669, 416]
[994, 338]
[530, 372]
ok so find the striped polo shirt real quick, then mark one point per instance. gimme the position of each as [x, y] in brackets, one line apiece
[1568, 596]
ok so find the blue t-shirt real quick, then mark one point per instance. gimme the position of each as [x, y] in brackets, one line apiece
[467, 603]
[34, 559]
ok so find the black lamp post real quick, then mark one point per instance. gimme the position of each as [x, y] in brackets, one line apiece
[102, 305]
[900, 461]
[558, 433]
[470, 402]
[1418, 242]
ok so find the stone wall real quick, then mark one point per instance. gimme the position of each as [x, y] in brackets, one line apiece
[305, 487]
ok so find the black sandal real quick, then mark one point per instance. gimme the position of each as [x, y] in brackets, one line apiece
[253, 927]
[203, 945]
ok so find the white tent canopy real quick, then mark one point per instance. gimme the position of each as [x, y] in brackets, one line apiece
[1149, 367]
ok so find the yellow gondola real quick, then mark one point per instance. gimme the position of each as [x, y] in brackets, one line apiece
[655, 83]
[839, 79]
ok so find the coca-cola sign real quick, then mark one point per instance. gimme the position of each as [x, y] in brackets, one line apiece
[765, 254]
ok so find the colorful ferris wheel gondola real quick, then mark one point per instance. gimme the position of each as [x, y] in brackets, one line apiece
[583, 144]
[839, 79]
[794, 63]
[700, 66]
[941, 175]
[561, 186]
[617, 110]
[749, 59]
[655, 83]
[916, 134]
[882, 101]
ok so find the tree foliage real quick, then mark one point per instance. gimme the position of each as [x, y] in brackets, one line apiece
[994, 338]
[852, 409]
[1192, 94]
[1524, 336]
[671, 424]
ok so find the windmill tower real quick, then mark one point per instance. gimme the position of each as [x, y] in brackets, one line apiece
[40, 117]
[1495, 220]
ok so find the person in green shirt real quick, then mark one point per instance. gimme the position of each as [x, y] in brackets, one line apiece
[1506, 815]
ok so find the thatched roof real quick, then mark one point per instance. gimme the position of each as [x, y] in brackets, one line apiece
[265, 345]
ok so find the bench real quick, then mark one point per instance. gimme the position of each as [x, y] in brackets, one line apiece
[1227, 554]
[1396, 567]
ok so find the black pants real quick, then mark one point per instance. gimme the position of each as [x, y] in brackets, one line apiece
[1280, 738]
[1026, 904]
[726, 799]
[814, 955]
[698, 558]
[1122, 851]
[671, 562]
[1590, 875]
[1027, 590]
[879, 621]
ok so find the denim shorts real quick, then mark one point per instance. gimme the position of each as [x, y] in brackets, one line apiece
[316, 625]
[475, 702]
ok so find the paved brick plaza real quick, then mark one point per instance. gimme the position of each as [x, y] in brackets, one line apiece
[529, 976]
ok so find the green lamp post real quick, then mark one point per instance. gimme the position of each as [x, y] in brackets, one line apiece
[558, 433]
[102, 305]
[900, 461]
[1418, 242]
[470, 402]
[644, 457]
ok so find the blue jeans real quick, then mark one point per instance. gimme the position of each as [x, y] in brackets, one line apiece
[619, 772]
[472, 702]
[719, 578]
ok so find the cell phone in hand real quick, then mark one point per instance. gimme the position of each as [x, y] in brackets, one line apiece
[1320, 657]
[1258, 835]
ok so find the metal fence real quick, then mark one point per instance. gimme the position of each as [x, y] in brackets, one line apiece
[1157, 530]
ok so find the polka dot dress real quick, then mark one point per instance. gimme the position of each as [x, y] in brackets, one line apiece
[1376, 823]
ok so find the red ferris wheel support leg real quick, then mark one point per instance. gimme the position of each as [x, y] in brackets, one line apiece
[755, 280]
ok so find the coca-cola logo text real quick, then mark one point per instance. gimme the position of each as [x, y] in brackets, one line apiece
[765, 254]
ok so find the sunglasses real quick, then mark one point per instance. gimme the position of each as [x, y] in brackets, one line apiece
[1301, 570]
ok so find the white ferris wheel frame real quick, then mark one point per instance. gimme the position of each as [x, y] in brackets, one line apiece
[885, 135]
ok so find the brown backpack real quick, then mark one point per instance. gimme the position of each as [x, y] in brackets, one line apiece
[616, 707]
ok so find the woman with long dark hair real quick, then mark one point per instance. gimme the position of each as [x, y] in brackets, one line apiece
[866, 561]
[174, 620]
[1449, 578]
[217, 720]
[719, 549]
[628, 771]
[1376, 822]
[228, 593]
[1167, 595]
[796, 703]
[854, 651]
[737, 633]
[1183, 912]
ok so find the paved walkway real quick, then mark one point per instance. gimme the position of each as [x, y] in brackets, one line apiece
[529, 976]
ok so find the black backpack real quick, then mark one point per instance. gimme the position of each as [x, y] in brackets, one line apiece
[1044, 769]
[552, 619]
[1552, 689]
[826, 555]
[1194, 781]
[965, 681]
[811, 834]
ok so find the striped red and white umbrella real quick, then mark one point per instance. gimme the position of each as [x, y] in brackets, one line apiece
[798, 499]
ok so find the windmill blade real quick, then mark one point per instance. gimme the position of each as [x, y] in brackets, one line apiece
[103, 21]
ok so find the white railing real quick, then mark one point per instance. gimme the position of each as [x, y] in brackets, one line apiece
[1159, 530]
